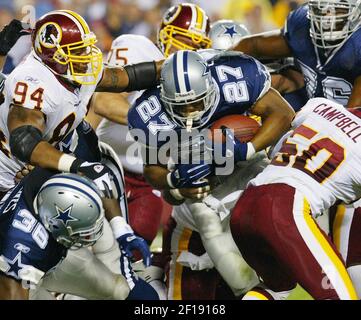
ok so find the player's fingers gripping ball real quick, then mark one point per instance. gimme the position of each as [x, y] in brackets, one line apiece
[230, 136]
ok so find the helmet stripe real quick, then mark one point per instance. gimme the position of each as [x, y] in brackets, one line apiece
[75, 184]
[175, 72]
[181, 72]
[185, 65]
[193, 23]
[200, 19]
[79, 19]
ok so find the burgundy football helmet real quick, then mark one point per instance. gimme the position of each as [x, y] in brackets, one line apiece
[63, 42]
[187, 20]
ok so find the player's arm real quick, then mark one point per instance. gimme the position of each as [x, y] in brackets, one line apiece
[26, 127]
[111, 106]
[355, 98]
[287, 81]
[277, 116]
[132, 77]
[10, 289]
[267, 45]
[162, 179]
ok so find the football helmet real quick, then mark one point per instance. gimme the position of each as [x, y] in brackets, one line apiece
[187, 20]
[224, 34]
[333, 21]
[71, 209]
[64, 43]
[187, 88]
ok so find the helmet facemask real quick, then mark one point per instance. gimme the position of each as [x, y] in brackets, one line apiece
[188, 110]
[84, 238]
[332, 22]
[167, 39]
[83, 58]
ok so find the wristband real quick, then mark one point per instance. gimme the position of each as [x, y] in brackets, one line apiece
[175, 193]
[250, 150]
[169, 180]
[65, 162]
[120, 227]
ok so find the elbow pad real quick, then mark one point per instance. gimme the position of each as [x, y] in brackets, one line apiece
[141, 76]
[23, 141]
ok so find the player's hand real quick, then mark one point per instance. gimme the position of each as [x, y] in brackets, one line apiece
[23, 172]
[129, 242]
[196, 193]
[101, 175]
[10, 34]
[230, 148]
[189, 175]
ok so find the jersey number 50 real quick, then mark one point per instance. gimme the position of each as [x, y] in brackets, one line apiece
[320, 160]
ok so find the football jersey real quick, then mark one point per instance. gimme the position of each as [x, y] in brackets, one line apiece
[33, 86]
[330, 76]
[240, 81]
[321, 156]
[127, 49]
[27, 249]
[225, 195]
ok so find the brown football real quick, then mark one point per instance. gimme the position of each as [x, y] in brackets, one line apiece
[244, 127]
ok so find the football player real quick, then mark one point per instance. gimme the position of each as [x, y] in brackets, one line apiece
[47, 96]
[273, 221]
[323, 37]
[183, 26]
[211, 90]
[41, 219]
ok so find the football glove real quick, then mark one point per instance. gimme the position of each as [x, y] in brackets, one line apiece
[189, 175]
[129, 242]
[10, 34]
[100, 174]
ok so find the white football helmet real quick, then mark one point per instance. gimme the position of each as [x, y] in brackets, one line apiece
[226, 33]
[333, 21]
[187, 88]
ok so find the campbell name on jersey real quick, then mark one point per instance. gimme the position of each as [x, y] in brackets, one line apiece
[321, 156]
[33, 86]
[330, 76]
[240, 81]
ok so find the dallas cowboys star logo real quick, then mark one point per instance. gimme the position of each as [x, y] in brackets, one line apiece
[64, 215]
[205, 67]
[15, 266]
[230, 31]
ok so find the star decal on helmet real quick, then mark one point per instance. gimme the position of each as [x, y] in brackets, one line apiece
[230, 31]
[205, 66]
[64, 215]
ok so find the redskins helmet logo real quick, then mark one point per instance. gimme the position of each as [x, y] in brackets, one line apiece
[171, 14]
[48, 33]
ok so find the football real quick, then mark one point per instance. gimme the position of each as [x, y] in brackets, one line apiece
[244, 127]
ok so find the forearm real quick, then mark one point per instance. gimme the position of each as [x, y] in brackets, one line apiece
[111, 106]
[45, 156]
[268, 45]
[273, 127]
[131, 77]
[157, 176]
[2, 62]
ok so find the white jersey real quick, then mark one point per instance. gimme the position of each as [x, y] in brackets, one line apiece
[321, 157]
[127, 49]
[224, 196]
[33, 86]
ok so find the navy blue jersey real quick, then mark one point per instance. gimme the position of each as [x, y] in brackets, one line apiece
[27, 249]
[330, 76]
[240, 81]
